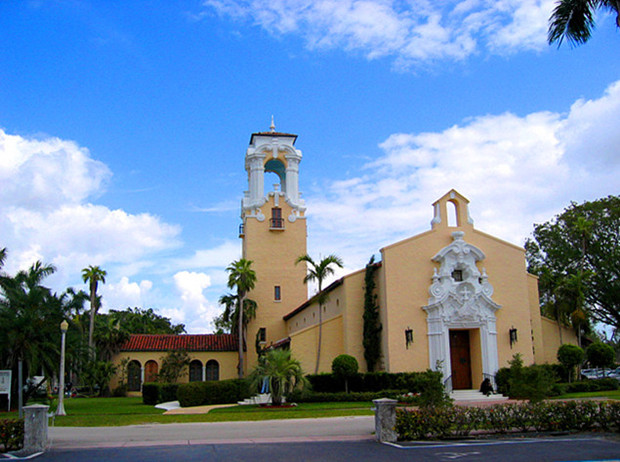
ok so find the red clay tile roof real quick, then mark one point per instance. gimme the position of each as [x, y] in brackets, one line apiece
[187, 342]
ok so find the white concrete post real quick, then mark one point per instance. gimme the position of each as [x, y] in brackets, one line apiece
[385, 420]
[35, 428]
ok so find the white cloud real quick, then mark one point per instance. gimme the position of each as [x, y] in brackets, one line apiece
[125, 294]
[410, 33]
[195, 307]
[515, 170]
[45, 213]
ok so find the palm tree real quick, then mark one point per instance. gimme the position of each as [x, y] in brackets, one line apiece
[573, 20]
[93, 274]
[283, 373]
[319, 272]
[230, 315]
[241, 277]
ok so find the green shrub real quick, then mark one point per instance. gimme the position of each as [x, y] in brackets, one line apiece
[192, 394]
[344, 367]
[321, 397]
[213, 392]
[11, 434]
[502, 380]
[503, 418]
[150, 393]
[414, 382]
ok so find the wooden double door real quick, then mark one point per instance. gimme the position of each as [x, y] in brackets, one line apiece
[460, 360]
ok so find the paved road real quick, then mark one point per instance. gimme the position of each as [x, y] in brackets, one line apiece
[293, 430]
[589, 448]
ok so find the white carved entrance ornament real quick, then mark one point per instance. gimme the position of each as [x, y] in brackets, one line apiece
[460, 298]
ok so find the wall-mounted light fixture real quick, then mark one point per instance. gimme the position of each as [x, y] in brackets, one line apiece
[513, 336]
[408, 337]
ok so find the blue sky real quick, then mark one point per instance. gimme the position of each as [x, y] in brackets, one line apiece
[123, 128]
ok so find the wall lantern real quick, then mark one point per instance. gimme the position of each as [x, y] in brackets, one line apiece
[513, 336]
[408, 337]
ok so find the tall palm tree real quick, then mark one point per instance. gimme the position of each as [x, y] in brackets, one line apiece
[230, 316]
[573, 20]
[319, 272]
[92, 275]
[2, 256]
[241, 277]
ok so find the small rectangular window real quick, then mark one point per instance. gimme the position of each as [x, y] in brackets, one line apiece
[457, 275]
[276, 221]
[277, 293]
[262, 334]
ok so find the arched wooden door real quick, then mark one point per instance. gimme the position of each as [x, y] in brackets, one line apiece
[134, 376]
[460, 360]
[151, 369]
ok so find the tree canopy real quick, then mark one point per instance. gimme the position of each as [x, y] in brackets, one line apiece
[576, 256]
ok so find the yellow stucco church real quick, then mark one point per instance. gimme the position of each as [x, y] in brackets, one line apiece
[451, 298]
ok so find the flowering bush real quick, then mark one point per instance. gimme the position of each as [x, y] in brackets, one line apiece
[424, 423]
[11, 434]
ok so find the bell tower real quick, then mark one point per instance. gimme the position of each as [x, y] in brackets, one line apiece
[273, 234]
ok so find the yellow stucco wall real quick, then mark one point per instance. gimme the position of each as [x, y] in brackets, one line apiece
[226, 359]
[551, 335]
[273, 255]
[304, 345]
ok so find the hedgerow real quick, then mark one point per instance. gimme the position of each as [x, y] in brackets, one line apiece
[425, 423]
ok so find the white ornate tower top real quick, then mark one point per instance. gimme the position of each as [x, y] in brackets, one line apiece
[275, 152]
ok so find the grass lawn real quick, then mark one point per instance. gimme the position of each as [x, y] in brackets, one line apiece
[612, 394]
[101, 412]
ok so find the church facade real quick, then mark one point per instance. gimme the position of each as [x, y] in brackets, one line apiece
[451, 298]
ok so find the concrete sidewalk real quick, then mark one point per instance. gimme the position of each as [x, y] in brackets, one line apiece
[356, 428]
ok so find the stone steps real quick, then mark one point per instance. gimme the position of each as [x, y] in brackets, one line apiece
[264, 398]
[475, 395]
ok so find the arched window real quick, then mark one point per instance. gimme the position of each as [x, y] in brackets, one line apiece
[195, 371]
[134, 376]
[213, 370]
[151, 370]
[452, 212]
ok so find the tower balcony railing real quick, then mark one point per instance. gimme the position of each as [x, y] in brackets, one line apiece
[276, 223]
[241, 230]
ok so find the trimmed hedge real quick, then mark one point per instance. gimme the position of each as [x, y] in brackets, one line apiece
[586, 386]
[213, 392]
[447, 422]
[415, 382]
[154, 392]
[322, 397]
[11, 434]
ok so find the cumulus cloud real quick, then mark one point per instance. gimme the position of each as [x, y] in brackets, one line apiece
[409, 32]
[125, 294]
[515, 171]
[45, 211]
[195, 307]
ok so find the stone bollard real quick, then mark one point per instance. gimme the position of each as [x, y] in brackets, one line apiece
[35, 428]
[385, 420]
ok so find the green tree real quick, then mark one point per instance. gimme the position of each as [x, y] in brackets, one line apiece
[319, 271]
[345, 367]
[228, 321]
[97, 375]
[570, 356]
[145, 321]
[283, 373]
[30, 316]
[582, 243]
[108, 337]
[92, 275]
[601, 355]
[173, 365]
[241, 277]
[372, 325]
[573, 20]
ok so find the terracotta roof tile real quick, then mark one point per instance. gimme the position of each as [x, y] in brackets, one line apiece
[187, 342]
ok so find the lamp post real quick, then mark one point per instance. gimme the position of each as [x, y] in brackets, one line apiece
[61, 389]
